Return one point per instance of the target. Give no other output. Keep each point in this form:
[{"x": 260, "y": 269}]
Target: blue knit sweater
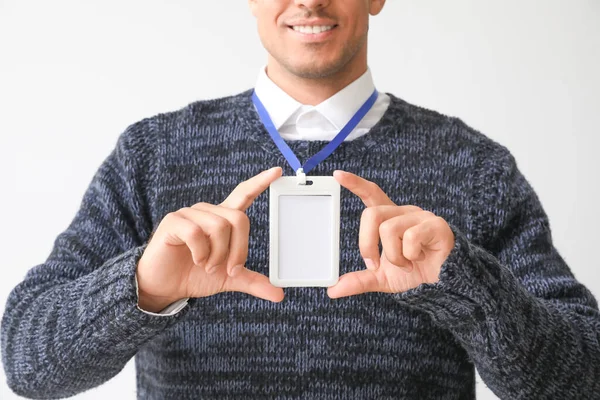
[{"x": 506, "y": 302}]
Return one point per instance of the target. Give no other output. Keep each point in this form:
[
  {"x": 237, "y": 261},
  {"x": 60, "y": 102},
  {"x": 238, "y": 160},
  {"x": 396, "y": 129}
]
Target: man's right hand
[{"x": 201, "y": 250}]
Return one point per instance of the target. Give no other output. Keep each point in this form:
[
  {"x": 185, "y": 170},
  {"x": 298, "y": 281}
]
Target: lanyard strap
[{"x": 325, "y": 151}]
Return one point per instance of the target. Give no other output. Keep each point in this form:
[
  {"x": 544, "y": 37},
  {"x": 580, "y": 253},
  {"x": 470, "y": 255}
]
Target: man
[{"x": 166, "y": 258}]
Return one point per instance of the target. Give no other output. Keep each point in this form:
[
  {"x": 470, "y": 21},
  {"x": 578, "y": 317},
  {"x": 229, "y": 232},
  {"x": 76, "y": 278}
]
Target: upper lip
[{"x": 314, "y": 22}]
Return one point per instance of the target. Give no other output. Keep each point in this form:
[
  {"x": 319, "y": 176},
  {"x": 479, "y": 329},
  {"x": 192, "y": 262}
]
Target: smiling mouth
[{"x": 312, "y": 29}]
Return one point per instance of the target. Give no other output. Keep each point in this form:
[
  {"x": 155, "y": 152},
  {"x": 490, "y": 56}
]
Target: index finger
[
  {"x": 246, "y": 192},
  {"x": 369, "y": 192}
]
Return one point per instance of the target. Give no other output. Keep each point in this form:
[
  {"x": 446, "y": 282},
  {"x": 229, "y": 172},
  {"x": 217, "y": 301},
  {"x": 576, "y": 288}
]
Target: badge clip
[{"x": 301, "y": 176}]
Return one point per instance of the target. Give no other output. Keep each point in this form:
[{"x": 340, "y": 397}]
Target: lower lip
[{"x": 314, "y": 37}]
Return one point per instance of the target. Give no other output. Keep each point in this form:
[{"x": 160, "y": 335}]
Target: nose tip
[{"x": 311, "y": 3}]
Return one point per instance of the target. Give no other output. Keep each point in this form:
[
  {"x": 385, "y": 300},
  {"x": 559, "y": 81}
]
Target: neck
[{"x": 314, "y": 91}]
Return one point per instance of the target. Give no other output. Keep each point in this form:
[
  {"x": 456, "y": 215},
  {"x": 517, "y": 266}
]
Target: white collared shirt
[{"x": 296, "y": 121}]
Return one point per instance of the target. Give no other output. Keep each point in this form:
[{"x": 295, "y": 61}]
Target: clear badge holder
[{"x": 304, "y": 219}]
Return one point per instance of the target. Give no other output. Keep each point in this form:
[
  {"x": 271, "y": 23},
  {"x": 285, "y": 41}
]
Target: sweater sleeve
[
  {"x": 73, "y": 322},
  {"x": 531, "y": 329}
]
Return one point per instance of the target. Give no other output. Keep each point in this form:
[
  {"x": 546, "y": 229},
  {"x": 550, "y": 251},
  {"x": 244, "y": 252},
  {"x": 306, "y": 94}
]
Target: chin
[{"x": 313, "y": 70}]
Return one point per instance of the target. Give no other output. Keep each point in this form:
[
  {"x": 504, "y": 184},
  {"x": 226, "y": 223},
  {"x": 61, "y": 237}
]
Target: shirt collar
[{"x": 338, "y": 109}]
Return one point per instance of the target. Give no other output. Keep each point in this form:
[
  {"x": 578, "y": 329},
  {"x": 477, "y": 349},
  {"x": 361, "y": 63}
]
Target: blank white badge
[{"x": 304, "y": 231}]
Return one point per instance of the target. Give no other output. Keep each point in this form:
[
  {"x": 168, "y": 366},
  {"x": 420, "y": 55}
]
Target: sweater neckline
[{"x": 360, "y": 147}]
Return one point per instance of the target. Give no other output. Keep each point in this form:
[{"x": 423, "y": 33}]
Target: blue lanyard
[{"x": 325, "y": 151}]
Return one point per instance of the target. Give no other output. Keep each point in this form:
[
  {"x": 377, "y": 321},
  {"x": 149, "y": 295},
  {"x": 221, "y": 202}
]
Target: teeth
[{"x": 312, "y": 29}]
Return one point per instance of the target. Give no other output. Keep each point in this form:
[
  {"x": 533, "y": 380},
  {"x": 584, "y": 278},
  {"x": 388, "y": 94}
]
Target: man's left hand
[{"x": 415, "y": 243}]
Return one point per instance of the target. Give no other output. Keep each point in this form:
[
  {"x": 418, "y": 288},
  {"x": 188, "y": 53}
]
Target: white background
[{"x": 74, "y": 74}]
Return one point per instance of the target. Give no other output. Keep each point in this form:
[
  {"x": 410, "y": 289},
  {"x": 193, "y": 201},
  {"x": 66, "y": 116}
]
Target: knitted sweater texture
[{"x": 506, "y": 301}]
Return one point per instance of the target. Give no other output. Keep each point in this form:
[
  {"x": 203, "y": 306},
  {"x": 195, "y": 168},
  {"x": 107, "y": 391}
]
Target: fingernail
[
  {"x": 236, "y": 270},
  {"x": 213, "y": 269},
  {"x": 370, "y": 264}
]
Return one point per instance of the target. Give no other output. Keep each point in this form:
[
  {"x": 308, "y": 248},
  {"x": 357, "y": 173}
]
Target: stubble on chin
[
  {"x": 313, "y": 70},
  {"x": 317, "y": 68}
]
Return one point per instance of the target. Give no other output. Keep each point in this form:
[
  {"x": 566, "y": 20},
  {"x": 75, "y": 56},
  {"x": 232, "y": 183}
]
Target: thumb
[{"x": 253, "y": 283}]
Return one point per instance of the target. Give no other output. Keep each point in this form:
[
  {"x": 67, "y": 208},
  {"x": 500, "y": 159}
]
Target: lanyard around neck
[{"x": 325, "y": 151}]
